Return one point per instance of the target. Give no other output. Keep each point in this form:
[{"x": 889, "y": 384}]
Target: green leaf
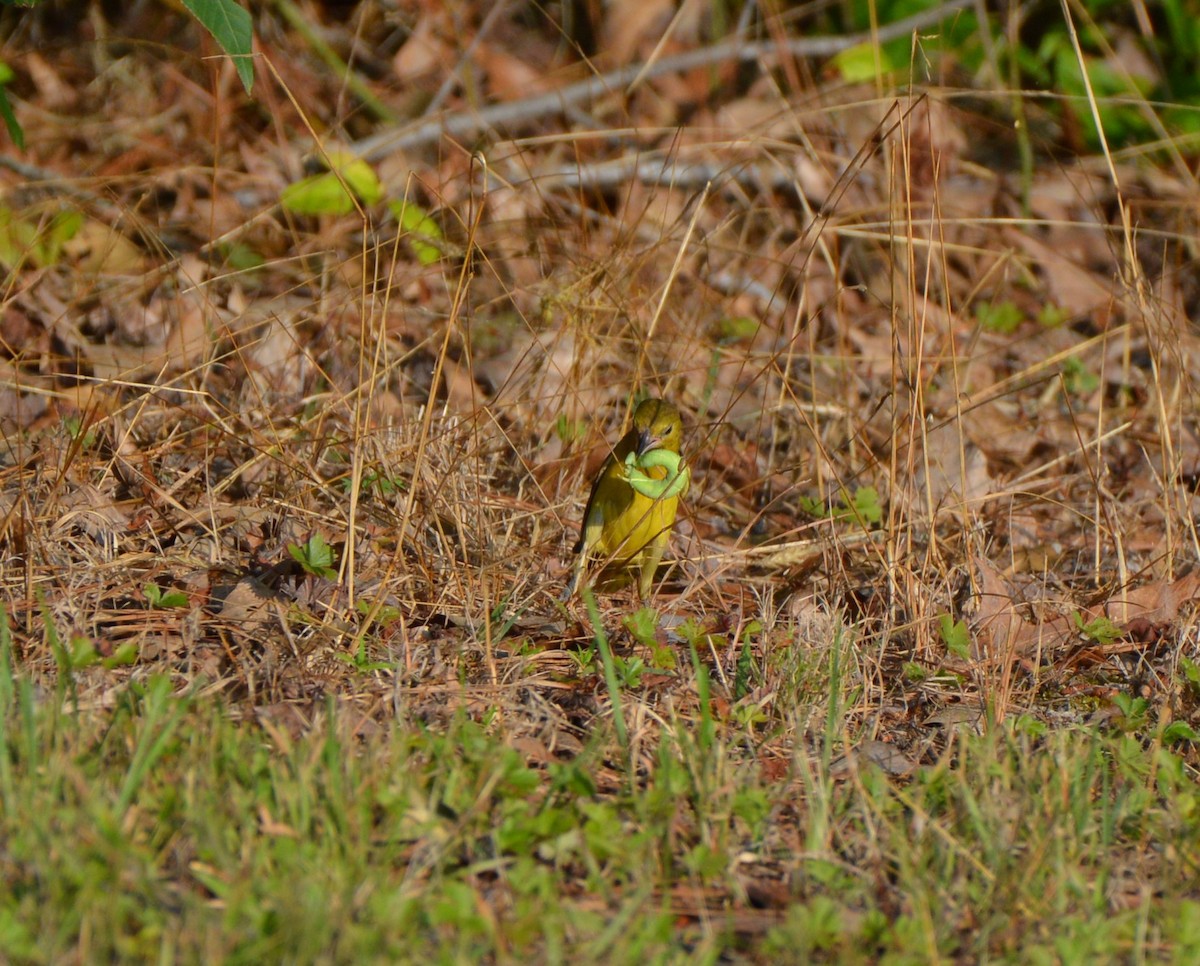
[
  {"x": 157, "y": 598},
  {"x": 83, "y": 653},
  {"x": 319, "y": 194},
  {"x": 567, "y": 429},
  {"x": 955, "y": 636},
  {"x": 384, "y": 616},
  {"x": 1101, "y": 630},
  {"x": 333, "y": 192},
  {"x": 1191, "y": 671},
  {"x": 1179, "y": 731},
  {"x": 358, "y": 175},
  {"x": 10, "y": 120},
  {"x": 63, "y": 227},
  {"x": 241, "y": 257},
  {"x": 691, "y": 630},
  {"x": 230, "y": 27},
  {"x": 859, "y": 63},
  {"x": 124, "y": 655},
  {"x": 316, "y": 557},
  {"x": 1003, "y": 317},
  {"x": 425, "y": 235},
  {"x": 864, "y": 507},
  {"x": 42, "y": 244},
  {"x": 814, "y": 508},
  {"x": 1051, "y": 316},
  {"x": 737, "y": 328},
  {"x": 643, "y": 625},
  {"x": 866, "y": 504},
  {"x": 1077, "y": 378},
  {"x": 743, "y": 672}
]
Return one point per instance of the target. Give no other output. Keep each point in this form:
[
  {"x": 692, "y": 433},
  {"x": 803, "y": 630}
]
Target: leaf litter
[{"x": 199, "y": 379}]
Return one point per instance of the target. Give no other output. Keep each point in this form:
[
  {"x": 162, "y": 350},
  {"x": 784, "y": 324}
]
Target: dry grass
[{"x": 915, "y": 394}]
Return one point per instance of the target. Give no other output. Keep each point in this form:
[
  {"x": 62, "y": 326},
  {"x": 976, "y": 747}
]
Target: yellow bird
[{"x": 634, "y": 500}]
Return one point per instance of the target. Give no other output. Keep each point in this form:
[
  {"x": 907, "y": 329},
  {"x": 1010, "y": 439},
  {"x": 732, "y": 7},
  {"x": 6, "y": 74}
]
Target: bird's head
[{"x": 658, "y": 426}]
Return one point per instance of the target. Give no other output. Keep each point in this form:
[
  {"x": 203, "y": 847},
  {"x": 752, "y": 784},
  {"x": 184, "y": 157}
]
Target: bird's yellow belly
[
  {"x": 630, "y": 520},
  {"x": 629, "y": 528}
]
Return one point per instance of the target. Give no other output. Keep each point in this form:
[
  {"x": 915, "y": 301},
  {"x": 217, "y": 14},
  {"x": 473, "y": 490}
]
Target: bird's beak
[{"x": 647, "y": 441}]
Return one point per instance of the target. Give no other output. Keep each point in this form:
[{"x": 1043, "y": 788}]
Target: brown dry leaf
[
  {"x": 1158, "y": 601},
  {"x": 53, "y": 91},
  {"x": 1076, "y": 290},
  {"x": 631, "y": 26},
  {"x": 935, "y": 141},
  {"x": 1001, "y": 434},
  {"x": 20, "y": 410},
  {"x": 249, "y": 604},
  {"x": 425, "y": 50},
  {"x": 171, "y": 334},
  {"x": 93, "y": 512},
  {"x": 998, "y": 625},
  {"x": 24, "y": 397},
  {"x": 97, "y": 249},
  {"x": 883, "y": 754},
  {"x": 953, "y": 476},
  {"x": 509, "y": 77},
  {"x": 279, "y": 357}
]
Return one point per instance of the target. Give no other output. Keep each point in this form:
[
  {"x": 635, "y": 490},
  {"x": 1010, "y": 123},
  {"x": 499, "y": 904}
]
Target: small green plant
[
  {"x": 74, "y": 426},
  {"x": 864, "y": 507},
  {"x": 502, "y": 624},
  {"x": 611, "y": 680},
  {"x": 1078, "y": 379},
  {"x": 359, "y": 658},
  {"x": 626, "y": 672},
  {"x": 748, "y": 715},
  {"x": 1191, "y": 673},
  {"x": 1178, "y": 731},
  {"x": 629, "y": 671},
  {"x": 1001, "y": 317},
  {"x": 569, "y": 430},
  {"x": 41, "y": 242},
  {"x": 737, "y": 328},
  {"x": 1029, "y": 726},
  {"x": 1051, "y": 316},
  {"x": 699, "y": 636},
  {"x": 81, "y": 653},
  {"x": 159, "y": 598},
  {"x": 1133, "y": 712},
  {"x": 385, "y": 616},
  {"x": 316, "y": 557},
  {"x": 423, "y": 234},
  {"x": 955, "y": 636},
  {"x": 6, "y": 112},
  {"x": 643, "y": 625},
  {"x": 242, "y": 258},
  {"x": 383, "y": 484},
  {"x": 335, "y": 191},
  {"x": 1101, "y": 629},
  {"x": 745, "y": 671}
]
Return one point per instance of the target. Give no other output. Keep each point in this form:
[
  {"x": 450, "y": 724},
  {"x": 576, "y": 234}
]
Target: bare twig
[{"x": 467, "y": 124}]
